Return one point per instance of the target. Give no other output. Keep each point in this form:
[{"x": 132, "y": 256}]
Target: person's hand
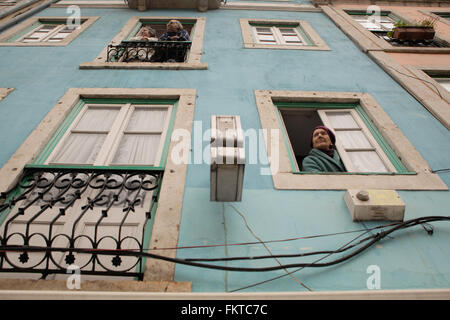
[{"x": 174, "y": 38}]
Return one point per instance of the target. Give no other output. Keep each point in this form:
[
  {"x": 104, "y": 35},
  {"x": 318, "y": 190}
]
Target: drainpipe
[{"x": 26, "y": 15}]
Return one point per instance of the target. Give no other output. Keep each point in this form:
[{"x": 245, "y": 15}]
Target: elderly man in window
[{"x": 322, "y": 157}]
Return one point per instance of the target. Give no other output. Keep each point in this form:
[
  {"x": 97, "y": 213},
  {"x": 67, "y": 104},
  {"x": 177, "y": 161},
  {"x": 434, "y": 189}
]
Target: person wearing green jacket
[{"x": 322, "y": 157}]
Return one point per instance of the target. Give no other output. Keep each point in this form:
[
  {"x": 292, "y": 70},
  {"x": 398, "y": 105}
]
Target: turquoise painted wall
[{"x": 411, "y": 259}]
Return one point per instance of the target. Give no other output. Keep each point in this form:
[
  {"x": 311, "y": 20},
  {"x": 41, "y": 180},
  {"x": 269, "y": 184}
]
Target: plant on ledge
[{"x": 416, "y": 31}]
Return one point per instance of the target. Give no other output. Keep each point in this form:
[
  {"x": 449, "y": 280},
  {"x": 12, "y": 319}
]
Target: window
[
  {"x": 114, "y": 134},
  {"x": 444, "y": 15},
  {"x": 384, "y": 23},
  {"x": 125, "y": 53},
  {"x": 356, "y": 144},
  {"x": 381, "y": 25},
  {"x": 280, "y": 34},
  {"x": 377, "y": 154},
  {"x": 89, "y": 176},
  {"x": 444, "y": 82},
  {"x": 47, "y": 33},
  {"x": 44, "y": 31}
]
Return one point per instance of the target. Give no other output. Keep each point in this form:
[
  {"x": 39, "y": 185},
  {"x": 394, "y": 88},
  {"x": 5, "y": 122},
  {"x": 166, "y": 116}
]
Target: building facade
[{"x": 106, "y": 148}]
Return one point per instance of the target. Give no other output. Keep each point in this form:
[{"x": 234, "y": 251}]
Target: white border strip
[{"x": 419, "y": 294}]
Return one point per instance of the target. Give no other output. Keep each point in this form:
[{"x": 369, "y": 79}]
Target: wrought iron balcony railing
[
  {"x": 55, "y": 218},
  {"x": 148, "y": 51}
]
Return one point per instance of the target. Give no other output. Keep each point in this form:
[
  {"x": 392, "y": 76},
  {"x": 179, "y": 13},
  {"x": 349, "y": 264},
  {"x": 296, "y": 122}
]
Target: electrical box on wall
[
  {"x": 366, "y": 205},
  {"x": 227, "y": 158}
]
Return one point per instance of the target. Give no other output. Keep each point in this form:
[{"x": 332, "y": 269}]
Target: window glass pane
[
  {"x": 35, "y": 36},
  {"x": 445, "y": 84},
  {"x": 266, "y": 38},
  {"x": 147, "y": 119},
  {"x": 292, "y": 39},
  {"x": 287, "y": 31},
  {"x": 59, "y": 36},
  {"x": 367, "y": 161},
  {"x": 97, "y": 119},
  {"x": 137, "y": 149},
  {"x": 80, "y": 148},
  {"x": 47, "y": 27},
  {"x": 353, "y": 139},
  {"x": 342, "y": 120},
  {"x": 263, "y": 30},
  {"x": 387, "y": 25}
]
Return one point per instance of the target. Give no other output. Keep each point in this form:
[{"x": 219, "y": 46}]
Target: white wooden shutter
[
  {"x": 47, "y": 33},
  {"x": 264, "y": 35},
  {"x": 359, "y": 150},
  {"x": 289, "y": 36},
  {"x": 384, "y": 23},
  {"x": 278, "y": 35},
  {"x": 142, "y": 136},
  {"x": 86, "y": 137}
]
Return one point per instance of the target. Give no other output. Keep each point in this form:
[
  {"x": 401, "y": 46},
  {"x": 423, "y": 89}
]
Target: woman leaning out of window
[{"x": 323, "y": 157}]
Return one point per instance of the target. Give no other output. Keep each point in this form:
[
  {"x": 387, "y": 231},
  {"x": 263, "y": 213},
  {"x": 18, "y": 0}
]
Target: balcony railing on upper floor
[
  {"x": 89, "y": 218},
  {"x": 148, "y": 51}
]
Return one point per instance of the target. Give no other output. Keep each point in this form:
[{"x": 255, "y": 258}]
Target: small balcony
[
  {"x": 98, "y": 220},
  {"x": 148, "y": 51},
  {"x": 201, "y": 5}
]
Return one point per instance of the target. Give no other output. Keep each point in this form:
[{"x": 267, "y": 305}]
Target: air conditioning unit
[{"x": 227, "y": 158}]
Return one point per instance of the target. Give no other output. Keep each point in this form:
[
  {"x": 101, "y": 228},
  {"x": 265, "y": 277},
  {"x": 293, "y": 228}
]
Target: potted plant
[{"x": 417, "y": 31}]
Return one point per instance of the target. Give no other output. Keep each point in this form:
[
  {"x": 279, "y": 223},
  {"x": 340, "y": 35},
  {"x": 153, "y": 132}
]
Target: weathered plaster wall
[{"x": 411, "y": 259}]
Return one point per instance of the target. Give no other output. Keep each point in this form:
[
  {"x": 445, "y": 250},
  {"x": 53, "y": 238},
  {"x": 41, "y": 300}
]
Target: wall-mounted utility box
[
  {"x": 227, "y": 158},
  {"x": 366, "y": 205}
]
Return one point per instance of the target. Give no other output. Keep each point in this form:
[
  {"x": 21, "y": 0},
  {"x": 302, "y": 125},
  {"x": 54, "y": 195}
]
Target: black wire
[
  {"x": 297, "y": 270},
  {"x": 439, "y": 170},
  {"x": 375, "y": 238},
  {"x": 295, "y": 255},
  {"x": 343, "y": 247}
]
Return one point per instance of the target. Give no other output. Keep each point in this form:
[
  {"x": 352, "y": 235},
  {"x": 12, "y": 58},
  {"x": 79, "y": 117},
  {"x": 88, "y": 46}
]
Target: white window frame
[
  {"x": 170, "y": 203},
  {"x": 343, "y": 152},
  {"x": 443, "y": 82},
  {"x": 50, "y": 35},
  {"x": 114, "y": 135},
  {"x": 193, "y": 60},
  {"x": 278, "y": 36},
  {"x": 420, "y": 176},
  {"x": 364, "y": 20},
  {"x": 39, "y": 22},
  {"x": 251, "y": 42}
]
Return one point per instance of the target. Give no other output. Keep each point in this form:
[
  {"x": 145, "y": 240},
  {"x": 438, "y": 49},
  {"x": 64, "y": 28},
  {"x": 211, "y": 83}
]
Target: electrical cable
[
  {"x": 267, "y": 248},
  {"x": 440, "y": 170},
  {"x": 297, "y": 270},
  {"x": 377, "y": 237},
  {"x": 272, "y": 241},
  {"x": 417, "y": 78},
  {"x": 341, "y": 248}
]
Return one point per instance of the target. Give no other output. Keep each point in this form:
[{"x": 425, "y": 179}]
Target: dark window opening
[{"x": 299, "y": 125}]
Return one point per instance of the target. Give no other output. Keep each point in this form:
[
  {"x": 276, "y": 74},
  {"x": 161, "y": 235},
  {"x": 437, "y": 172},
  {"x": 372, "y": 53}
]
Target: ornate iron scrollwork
[
  {"x": 148, "y": 51},
  {"x": 71, "y": 216}
]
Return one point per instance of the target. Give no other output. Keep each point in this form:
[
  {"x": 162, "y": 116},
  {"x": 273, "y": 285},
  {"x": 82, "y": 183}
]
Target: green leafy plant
[{"x": 428, "y": 23}]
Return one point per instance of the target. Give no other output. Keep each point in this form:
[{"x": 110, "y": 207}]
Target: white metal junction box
[
  {"x": 227, "y": 158},
  {"x": 366, "y": 205}
]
